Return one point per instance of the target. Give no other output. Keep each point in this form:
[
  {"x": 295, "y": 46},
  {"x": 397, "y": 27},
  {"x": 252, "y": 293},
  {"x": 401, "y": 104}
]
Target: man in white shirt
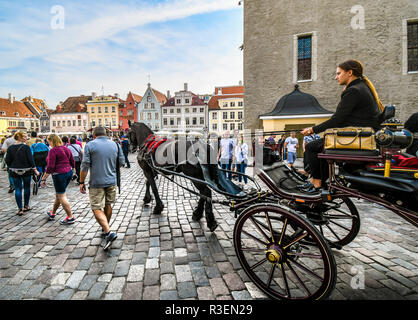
[
  {"x": 225, "y": 154},
  {"x": 7, "y": 143},
  {"x": 291, "y": 144}
]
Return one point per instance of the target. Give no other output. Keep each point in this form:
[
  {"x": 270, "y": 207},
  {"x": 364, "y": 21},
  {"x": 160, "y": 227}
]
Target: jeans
[
  {"x": 226, "y": 166},
  {"x": 241, "y": 169},
  {"x": 126, "y": 158},
  {"x": 11, "y": 186},
  {"x": 61, "y": 181},
  {"x": 17, "y": 183}
]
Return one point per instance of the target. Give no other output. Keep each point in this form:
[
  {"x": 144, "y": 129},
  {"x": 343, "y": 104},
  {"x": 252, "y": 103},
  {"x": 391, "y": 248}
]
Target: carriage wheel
[
  {"x": 339, "y": 221},
  {"x": 269, "y": 243}
]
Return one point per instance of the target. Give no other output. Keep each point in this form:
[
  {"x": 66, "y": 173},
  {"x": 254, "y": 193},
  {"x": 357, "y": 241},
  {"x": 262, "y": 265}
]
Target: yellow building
[
  {"x": 295, "y": 111},
  {"x": 104, "y": 111},
  {"x": 16, "y": 116},
  {"x": 226, "y": 109}
]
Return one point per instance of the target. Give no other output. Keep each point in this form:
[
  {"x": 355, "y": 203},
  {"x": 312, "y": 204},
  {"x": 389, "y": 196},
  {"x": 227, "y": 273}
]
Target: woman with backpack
[
  {"x": 21, "y": 165},
  {"x": 40, "y": 153}
]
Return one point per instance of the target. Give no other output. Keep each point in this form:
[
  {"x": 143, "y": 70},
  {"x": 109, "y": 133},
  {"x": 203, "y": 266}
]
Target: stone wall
[{"x": 269, "y": 30}]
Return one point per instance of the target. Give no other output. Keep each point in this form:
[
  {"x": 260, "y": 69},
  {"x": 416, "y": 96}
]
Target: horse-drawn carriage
[{"x": 282, "y": 236}]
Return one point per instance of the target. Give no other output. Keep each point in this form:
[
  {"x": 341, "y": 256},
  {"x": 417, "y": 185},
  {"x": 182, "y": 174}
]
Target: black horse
[{"x": 138, "y": 135}]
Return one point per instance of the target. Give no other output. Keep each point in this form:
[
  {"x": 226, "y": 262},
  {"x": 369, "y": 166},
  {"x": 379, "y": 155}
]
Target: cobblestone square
[{"x": 170, "y": 256}]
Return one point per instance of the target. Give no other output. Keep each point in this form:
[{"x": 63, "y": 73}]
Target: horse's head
[{"x": 139, "y": 133}]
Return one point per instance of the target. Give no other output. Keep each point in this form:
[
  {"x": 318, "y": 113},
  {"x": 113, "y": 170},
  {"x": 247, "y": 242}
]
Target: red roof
[
  {"x": 214, "y": 101},
  {"x": 230, "y": 90},
  {"x": 17, "y": 109}
]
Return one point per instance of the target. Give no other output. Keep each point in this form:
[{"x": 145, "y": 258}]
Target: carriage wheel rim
[{"x": 282, "y": 259}]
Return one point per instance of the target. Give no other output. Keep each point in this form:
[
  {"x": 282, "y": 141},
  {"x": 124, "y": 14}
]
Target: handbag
[{"x": 357, "y": 138}]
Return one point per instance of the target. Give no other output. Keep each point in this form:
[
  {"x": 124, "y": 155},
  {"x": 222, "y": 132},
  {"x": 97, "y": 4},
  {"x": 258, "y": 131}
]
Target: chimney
[
  {"x": 93, "y": 95},
  {"x": 168, "y": 94},
  {"x": 30, "y": 99},
  {"x": 11, "y": 98},
  {"x": 117, "y": 95},
  {"x": 185, "y": 87}
]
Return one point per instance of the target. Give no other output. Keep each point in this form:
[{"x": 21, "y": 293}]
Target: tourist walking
[
  {"x": 7, "y": 143},
  {"x": 101, "y": 157},
  {"x": 21, "y": 165},
  {"x": 77, "y": 152},
  {"x": 291, "y": 144},
  {"x": 60, "y": 164},
  {"x": 125, "y": 149},
  {"x": 241, "y": 159},
  {"x": 40, "y": 153},
  {"x": 225, "y": 154}
]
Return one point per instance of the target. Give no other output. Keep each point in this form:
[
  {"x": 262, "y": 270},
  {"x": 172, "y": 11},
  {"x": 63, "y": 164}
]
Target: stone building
[{"x": 302, "y": 42}]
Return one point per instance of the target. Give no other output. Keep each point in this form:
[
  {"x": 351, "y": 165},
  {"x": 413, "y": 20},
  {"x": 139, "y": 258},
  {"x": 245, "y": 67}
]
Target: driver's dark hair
[{"x": 357, "y": 68}]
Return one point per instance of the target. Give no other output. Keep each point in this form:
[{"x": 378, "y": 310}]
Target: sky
[{"x": 56, "y": 49}]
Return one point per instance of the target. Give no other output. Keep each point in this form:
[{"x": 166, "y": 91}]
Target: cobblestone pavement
[{"x": 170, "y": 256}]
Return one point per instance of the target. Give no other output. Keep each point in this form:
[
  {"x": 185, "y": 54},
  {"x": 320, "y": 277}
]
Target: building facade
[
  {"x": 128, "y": 111},
  {"x": 68, "y": 121},
  {"x": 16, "y": 116},
  {"x": 305, "y": 49},
  {"x": 104, "y": 111},
  {"x": 185, "y": 112},
  {"x": 226, "y": 109},
  {"x": 149, "y": 108}
]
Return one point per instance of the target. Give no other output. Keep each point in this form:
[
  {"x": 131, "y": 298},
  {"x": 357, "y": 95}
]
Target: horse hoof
[
  {"x": 212, "y": 227},
  {"x": 197, "y": 216},
  {"x": 158, "y": 210}
]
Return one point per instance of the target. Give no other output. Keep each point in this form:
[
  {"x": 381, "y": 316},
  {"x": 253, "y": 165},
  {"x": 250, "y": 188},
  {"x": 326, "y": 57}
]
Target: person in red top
[{"x": 60, "y": 164}]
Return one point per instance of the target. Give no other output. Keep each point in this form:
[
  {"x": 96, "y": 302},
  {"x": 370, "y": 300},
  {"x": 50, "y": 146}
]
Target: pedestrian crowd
[{"x": 66, "y": 159}]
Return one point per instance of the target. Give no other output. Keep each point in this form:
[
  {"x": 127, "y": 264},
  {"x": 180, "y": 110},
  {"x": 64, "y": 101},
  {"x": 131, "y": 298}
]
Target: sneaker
[
  {"x": 11, "y": 190},
  {"x": 109, "y": 239},
  {"x": 50, "y": 215},
  {"x": 67, "y": 221}
]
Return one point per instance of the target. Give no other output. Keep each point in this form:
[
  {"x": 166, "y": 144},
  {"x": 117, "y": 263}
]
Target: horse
[{"x": 138, "y": 134}]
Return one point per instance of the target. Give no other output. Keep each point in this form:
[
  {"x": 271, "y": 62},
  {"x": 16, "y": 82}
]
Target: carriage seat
[{"x": 351, "y": 155}]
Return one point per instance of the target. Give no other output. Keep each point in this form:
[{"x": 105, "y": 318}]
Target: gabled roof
[
  {"x": 196, "y": 101},
  {"x": 17, "y": 109},
  {"x": 136, "y": 97},
  {"x": 74, "y": 104},
  {"x": 160, "y": 97},
  {"x": 297, "y": 103},
  {"x": 38, "y": 104}
]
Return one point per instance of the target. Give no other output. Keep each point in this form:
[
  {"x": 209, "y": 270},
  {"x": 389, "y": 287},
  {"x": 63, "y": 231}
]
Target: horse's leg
[
  {"x": 210, "y": 218},
  {"x": 159, "y": 204},
  {"x": 147, "y": 198},
  {"x": 198, "y": 211}
]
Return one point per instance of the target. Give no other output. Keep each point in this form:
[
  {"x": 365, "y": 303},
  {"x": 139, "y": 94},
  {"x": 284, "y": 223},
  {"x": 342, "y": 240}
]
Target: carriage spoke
[
  {"x": 269, "y": 224},
  {"x": 259, "y": 263},
  {"x": 259, "y": 229},
  {"x": 299, "y": 279},
  {"x": 299, "y": 265},
  {"x": 273, "y": 267},
  {"x": 296, "y": 240},
  {"x": 333, "y": 232},
  {"x": 252, "y": 249},
  {"x": 341, "y": 226},
  {"x": 255, "y": 238},
  {"x": 285, "y": 280},
  {"x": 338, "y": 216},
  {"x": 283, "y": 231},
  {"x": 304, "y": 255}
]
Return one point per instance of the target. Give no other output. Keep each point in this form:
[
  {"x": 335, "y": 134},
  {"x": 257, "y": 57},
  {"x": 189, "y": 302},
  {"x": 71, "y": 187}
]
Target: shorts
[
  {"x": 61, "y": 181},
  {"x": 100, "y": 197},
  {"x": 291, "y": 157}
]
